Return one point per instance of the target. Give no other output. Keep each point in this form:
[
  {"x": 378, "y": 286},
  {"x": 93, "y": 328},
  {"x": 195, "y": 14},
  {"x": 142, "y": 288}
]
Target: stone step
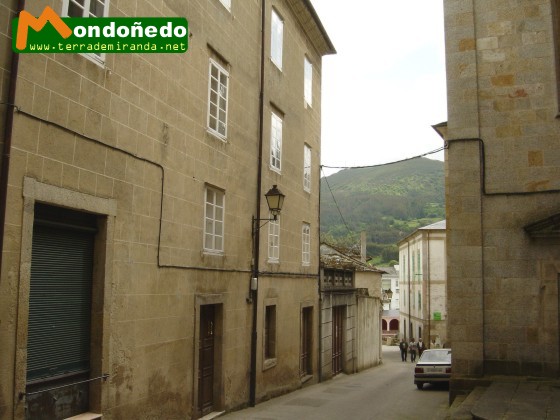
[{"x": 463, "y": 404}]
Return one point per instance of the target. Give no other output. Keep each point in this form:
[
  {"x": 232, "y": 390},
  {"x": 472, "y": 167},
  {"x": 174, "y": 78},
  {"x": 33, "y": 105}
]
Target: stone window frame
[
  {"x": 221, "y": 92},
  {"x": 35, "y": 191},
  {"x": 214, "y": 224},
  {"x": 86, "y": 12},
  {"x": 270, "y": 333},
  {"x": 276, "y": 38}
]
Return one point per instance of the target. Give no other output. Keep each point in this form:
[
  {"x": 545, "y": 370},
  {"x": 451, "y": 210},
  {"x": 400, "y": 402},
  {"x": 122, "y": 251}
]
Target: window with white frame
[
  {"x": 214, "y": 220},
  {"x": 307, "y": 168},
  {"x": 226, "y": 3},
  {"x": 276, "y": 143},
  {"x": 306, "y": 244},
  {"x": 276, "y": 39},
  {"x": 307, "y": 82},
  {"x": 87, "y": 8},
  {"x": 274, "y": 240},
  {"x": 218, "y": 81}
]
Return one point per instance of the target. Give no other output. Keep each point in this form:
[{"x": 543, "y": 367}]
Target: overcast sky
[{"x": 385, "y": 87}]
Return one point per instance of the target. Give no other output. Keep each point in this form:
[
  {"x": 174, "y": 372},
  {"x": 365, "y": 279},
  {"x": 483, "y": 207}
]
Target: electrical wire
[
  {"x": 439, "y": 149},
  {"x": 336, "y": 204}
]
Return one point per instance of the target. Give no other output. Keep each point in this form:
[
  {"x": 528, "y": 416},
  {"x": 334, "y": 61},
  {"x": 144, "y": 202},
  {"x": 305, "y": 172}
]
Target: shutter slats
[{"x": 60, "y": 302}]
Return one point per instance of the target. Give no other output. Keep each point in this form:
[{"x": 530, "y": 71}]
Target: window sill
[
  {"x": 85, "y": 416},
  {"x": 273, "y": 261},
  {"x": 216, "y": 135},
  {"x": 213, "y": 253},
  {"x": 269, "y": 363},
  {"x": 306, "y": 378},
  {"x": 274, "y": 169}
]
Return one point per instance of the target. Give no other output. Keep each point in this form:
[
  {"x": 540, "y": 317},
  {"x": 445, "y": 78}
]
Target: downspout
[
  {"x": 429, "y": 297},
  {"x": 409, "y": 286},
  {"x": 319, "y": 290},
  {"x": 255, "y": 225},
  {"x": 8, "y": 129}
]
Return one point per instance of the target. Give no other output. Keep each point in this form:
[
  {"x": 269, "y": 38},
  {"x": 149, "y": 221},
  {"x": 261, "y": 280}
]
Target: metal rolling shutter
[{"x": 60, "y": 295}]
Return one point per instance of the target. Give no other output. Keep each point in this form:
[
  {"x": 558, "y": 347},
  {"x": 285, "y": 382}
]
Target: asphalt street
[{"x": 383, "y": 392}]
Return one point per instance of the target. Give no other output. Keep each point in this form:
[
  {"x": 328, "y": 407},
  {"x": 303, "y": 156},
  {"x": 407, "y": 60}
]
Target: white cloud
[{"x": 385, "y": 87}]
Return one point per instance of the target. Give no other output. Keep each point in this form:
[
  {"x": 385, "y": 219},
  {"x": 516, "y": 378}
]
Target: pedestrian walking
[
  {"x": 421, "y": 347},
  {"x": 404, "y": 347},
  {"x": 412, "y": 347}
]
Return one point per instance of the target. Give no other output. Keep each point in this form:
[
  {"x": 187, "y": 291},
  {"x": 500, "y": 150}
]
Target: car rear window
[{"x": 436, "y": 356}]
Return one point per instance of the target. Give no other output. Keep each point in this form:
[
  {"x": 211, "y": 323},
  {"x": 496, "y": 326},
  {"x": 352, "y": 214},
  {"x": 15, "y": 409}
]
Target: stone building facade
[
  {"x": 129, "y": 186},
  {"x": 423, "y": 285},
  {"x": 350, "y": 318},
  {"x": 503, "y": 188}
]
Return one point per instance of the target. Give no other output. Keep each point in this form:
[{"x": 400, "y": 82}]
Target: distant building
[
  {"x": 390, "y": 317},
  {"x": 503, "y": 188},
  {"x": 350, "y": 313},
  {"x": 423, "y": 285},
  {"x": 390, "y": 281}
]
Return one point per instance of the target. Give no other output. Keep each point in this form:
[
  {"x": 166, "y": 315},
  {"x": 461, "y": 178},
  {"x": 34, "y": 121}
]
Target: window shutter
[{"x": 60, "y": 297}]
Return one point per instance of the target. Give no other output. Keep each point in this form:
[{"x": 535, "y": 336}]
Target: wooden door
[
  {"x": 206, "y": 359},
  {"x": 337, "y": 335}
]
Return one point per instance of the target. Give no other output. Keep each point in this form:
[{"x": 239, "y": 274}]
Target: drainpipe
[
  {"x": 255, "y": 225},
  {"x": 409, "y": 286},
  {"x": 8, "y": 129},
  {"x": 428, "y": 264}
]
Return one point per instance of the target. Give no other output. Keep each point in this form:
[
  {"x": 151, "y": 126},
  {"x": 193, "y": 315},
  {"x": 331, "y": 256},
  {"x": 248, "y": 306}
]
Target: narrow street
[{"x": 383, "y": 392}]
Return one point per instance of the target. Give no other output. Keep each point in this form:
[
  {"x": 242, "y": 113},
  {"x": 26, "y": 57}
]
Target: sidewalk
[{"x": 511, "y": 400}]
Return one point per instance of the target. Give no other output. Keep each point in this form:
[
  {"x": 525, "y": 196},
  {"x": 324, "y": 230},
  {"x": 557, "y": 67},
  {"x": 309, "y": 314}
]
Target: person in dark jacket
[
  {"x": 421, "y": 347},
  {"x": 404, "y": 348}
]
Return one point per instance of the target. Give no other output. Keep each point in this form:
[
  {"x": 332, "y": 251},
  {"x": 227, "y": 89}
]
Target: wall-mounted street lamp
[
  {"x": 275, "y": 201},
  {"x": 389, "y": 294}
]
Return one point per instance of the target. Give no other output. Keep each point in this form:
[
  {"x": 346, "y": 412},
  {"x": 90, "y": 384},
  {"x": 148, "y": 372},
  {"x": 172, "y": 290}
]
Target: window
[
  {"x": 306, "y": 244},
  {"x": 307, "y": 168},
  {"x": 276, "y": 39},
  {"x": 87, "y": 8},
  {"x": 306, "y": 349},
  {"x": 217, "y": 100},
  {"x": 274, "y": 240},
  {"x": 307, "y": 82},
  {"x": 226, "y": 3},
  {"x": 276, "y": 143},
  {"x": 270, "y": 332},
  {"x": 214, "y": 220},
  {"x": 419, "y": 301},
  {"x": 418, "y": 261}
]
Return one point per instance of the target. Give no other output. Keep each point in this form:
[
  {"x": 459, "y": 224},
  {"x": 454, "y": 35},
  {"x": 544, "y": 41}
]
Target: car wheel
[{"x": 419, "y": 385}]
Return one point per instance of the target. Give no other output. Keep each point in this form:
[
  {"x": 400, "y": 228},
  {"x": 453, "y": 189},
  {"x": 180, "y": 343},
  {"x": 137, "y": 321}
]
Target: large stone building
[
  {"x": 503, "y": 188},
  {"x": 423, "y": 285},
  {"x": 130, "y": 280}
]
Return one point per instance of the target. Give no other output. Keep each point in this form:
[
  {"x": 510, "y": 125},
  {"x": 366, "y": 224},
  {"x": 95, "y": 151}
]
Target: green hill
[{"x": 388, "y": 202}]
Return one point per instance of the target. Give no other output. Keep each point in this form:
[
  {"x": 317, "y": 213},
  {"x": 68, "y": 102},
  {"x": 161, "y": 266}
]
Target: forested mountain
[{"x": 388, "y": 202}]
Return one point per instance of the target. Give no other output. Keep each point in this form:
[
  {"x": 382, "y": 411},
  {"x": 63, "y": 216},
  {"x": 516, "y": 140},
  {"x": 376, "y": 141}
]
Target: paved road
[{"x": 383, "y": 392}]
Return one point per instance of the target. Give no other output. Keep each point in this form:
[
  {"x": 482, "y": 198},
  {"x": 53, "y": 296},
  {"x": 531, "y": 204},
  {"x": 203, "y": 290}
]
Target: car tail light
[
  {"x": 418, "y": 370},
  {"x": 448, "y": 370}
]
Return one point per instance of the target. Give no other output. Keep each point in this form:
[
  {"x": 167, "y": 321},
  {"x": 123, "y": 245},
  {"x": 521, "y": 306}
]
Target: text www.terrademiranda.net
[{"x": 108, "y": 47}]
